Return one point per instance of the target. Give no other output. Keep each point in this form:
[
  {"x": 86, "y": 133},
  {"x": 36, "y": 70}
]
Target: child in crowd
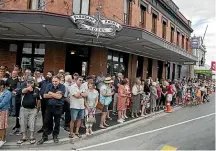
[{"x": 193, "y": 97}]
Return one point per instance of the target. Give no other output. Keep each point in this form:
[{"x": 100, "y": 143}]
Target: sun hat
[
  {"x": 108, "y": 80},
  {"x": 61, "y": 71}
]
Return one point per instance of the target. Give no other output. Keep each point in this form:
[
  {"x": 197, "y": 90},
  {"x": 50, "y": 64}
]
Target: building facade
[{"x": 40, "y": 35}]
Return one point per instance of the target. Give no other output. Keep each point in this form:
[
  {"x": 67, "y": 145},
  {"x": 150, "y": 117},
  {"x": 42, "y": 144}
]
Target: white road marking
[{"x": 159, "y": 129}]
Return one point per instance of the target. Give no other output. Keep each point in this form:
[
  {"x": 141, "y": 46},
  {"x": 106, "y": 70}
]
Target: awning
[{"x": 43, "y": 26}]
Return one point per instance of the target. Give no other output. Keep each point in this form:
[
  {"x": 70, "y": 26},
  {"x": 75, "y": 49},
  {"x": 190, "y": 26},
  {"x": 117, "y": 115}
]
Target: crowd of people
[{"x": 24, "y": 94}]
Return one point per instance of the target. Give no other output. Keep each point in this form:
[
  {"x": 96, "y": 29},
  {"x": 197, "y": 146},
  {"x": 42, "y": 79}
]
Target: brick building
[{"x": 39, "y": 34}]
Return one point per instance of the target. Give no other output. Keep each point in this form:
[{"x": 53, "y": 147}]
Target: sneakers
[
  {"x": 125, "y": 117},
  {"x": 2, "y": 143},
  {"x": 16, "y": 132},
  {"x": 120, "y": 121}
]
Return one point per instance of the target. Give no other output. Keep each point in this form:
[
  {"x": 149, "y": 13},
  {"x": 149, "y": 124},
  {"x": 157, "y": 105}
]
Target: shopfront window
[
  {"x": 81, "y": 7},
  {"x": 150, "y": 63},
  {"x": 33, "y": 56},
  {"x": 36, "y": 4},
  {"x": 117, "y": 62}
]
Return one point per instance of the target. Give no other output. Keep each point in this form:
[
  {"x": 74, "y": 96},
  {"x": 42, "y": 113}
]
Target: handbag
[
  {"x": 100, "y": 106},
  {"x": 90, "y": 118}
]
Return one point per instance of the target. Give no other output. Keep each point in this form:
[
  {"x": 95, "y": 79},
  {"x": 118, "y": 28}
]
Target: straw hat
[{"x": 108, "y": 80}]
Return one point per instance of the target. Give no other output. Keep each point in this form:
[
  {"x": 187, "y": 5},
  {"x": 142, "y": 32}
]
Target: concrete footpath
[{"x": 63, "y": 137}]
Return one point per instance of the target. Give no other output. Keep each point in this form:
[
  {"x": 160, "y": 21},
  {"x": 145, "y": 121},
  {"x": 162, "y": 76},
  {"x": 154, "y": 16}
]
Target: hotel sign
[
  {"x": 98, "y": 26},
  {"x": 189, "y": 63}
]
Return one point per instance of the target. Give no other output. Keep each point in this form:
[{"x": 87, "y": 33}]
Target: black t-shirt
[
  {"x": 12, "y": 83},
  {"x": 29, "y": 100}
]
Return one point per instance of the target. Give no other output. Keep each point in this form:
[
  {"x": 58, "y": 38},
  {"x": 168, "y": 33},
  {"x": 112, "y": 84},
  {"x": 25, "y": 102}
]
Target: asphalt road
[{"x": 190, "y": 128}]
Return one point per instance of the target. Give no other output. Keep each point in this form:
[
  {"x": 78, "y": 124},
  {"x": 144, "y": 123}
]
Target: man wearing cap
[
  {"x": 54, "y": 94},
  {"x": 75, "y": 76},
  {"x": 117, "y": 81},
  {"x": 29, "y": 110}
]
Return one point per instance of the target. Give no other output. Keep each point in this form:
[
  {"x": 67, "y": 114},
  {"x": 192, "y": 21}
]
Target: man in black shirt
[
  {"x": 12, "y": 85},
  {"x": 54, "y": 94},
  {"x": 42, "y": 85}
]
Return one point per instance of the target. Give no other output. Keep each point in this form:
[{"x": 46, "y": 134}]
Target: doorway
[
  {"x": 160, "y": 70},
  {"x": 140, "y": 60},
  {"x": 77, "y": 59}
]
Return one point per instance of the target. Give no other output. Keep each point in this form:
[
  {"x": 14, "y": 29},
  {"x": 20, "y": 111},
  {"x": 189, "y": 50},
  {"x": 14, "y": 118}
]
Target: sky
[{"x": 202, "y": 13}]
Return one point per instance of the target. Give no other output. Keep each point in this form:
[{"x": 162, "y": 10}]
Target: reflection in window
[
  {"x": 38, "y": 63},
  {"x": 84, "y": 68},
  {"x": 40, "y": 49},
  {"x": 27, "y": 48},
  {"x": 26, "y": 63},
  {"x": 116, "y": 62},
  {"x": 33, "y": 56}
]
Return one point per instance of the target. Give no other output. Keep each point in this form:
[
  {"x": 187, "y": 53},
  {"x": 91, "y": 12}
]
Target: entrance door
[
  {"x": 77, "y": 58},
  {"x": 160, "y": 70}
]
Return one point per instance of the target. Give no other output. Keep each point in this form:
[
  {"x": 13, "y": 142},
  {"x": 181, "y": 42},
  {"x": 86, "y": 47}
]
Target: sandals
[
  {"x": 22, "y": 140},
  {"x": 32, "y": 141},
  {"x": 78, "y": 135},
  {"x": 71, "y": 136}
]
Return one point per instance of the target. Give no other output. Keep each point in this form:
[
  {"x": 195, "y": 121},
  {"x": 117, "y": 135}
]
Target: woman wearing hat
[
  {"x": 5, "y": 97},
  {"x": 106, "y": 94}
]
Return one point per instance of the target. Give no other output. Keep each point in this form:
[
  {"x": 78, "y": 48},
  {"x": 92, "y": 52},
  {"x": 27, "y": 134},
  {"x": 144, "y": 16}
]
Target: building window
[
  {"x": 117, "y": 62},
  {"x": 149, "y": 69},
  {"x": 140, "y": 60},
  {"x": 127, "y": 11},
  {"x": 154, "y": 23},
  {"x": 33, "y": 56},
  {"x": 164, "y": 30},
  {"x": 187, "y": 43},
  {"x": 81, "y": 7},
  {"x": 36, "y": 4},
  {"x": 172, "y": 35},
  {"x": 178, "y": 35},
  {"x": 143, "y": 16},
  {"x": 183, "y": 40}
]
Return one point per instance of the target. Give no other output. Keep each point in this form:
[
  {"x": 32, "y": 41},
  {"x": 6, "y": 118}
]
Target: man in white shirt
[{"x": 76, "y": 106}]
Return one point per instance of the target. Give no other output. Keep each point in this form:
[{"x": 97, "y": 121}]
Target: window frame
[
  {"x": 187, "y": 43},
  {"x": 143, "y": 10},
  {"x": 80, "y": 7},
  {"x": 154, "y": 23},
  {"x": 164, "y": 29},
  {"x": 32, "y": 56},
  {"x": 178, "y": 38},
  {"x": 183, "y": 41}
]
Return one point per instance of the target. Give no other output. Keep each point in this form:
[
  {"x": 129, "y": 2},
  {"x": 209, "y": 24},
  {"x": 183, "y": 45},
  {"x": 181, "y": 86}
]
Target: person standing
[
  {"x": 42, "y": 85},
  {"x": 12, "y": 85},
  {"x": 117, "y": 82},
  {"x": 91, "y": 102},
  {"x": 153, "y": 96},
  {"x": 106, "y": 93},
  {"x": 29, "y": 110},
  {"x": 54, "y": 94},
  {"x": 76, "y": 106},
  {"x": 5, "y": 97},
  {"x": 136, "y": 98},
  {"x": 121, "y": 103},
  {"x": 66, "y": 107}
]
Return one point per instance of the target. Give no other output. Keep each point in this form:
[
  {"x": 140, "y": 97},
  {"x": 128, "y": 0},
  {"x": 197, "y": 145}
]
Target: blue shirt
[
  {"x": 60, "y": 88},
  {"x": 42, "y": 85},
  {"x": 5, "y": 99}
]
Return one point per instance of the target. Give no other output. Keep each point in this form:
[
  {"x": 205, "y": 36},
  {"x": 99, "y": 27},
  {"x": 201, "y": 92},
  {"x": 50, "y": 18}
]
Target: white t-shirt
[{"x": 76, "y": 103}]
